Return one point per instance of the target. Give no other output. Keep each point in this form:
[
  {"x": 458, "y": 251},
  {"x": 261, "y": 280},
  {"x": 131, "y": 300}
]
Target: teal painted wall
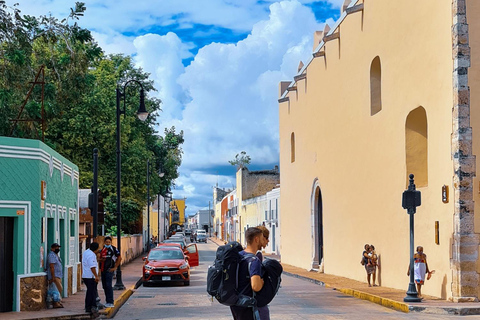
[{"x": 23, "y": 166}]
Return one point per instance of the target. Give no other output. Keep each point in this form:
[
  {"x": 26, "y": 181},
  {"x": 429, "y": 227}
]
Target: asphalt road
[{"x": 297, "y": 299}]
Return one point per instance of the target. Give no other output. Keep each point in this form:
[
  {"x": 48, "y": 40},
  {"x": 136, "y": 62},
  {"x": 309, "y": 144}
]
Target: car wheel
[{"x": 186, "y": 283}]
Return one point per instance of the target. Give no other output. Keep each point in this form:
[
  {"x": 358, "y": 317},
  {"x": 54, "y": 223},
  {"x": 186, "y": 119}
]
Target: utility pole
[{"x": 95, "y": 193}]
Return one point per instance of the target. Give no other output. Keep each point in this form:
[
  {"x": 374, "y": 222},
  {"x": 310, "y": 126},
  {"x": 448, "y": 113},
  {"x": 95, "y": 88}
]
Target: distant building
[{"x": 38, "y": 207}]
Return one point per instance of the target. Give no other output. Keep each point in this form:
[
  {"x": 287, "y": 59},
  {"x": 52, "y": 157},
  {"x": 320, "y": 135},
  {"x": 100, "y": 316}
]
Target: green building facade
[{"x": 38, "y": 206}]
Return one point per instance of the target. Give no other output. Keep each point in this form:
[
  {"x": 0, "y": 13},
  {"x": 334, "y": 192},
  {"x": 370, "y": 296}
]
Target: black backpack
[
  {"x": 222, "y": 276},
  {"x": 272, "y": 278}
]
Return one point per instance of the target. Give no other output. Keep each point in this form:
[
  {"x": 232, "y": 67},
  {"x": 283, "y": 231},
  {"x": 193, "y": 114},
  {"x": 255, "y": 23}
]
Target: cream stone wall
[{"x": 359, "y": 160}]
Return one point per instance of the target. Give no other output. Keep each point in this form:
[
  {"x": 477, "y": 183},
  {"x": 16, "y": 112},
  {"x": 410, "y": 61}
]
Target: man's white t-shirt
[{"x": 89, "y": 260}]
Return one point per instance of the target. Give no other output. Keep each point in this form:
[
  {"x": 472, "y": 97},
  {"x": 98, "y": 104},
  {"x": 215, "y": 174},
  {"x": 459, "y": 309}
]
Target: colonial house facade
[
  {"x": 38, "y": 207},
  {"x": 392, "y": 89}
]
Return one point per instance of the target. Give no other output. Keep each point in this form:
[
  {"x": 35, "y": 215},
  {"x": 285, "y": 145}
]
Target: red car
[
  {"x": 166, "y": 264},
  {"x": 191, "y": 251}
]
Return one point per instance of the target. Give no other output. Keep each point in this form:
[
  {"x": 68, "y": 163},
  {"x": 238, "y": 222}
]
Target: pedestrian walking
[
  {"x": 250, "y": 272},
  {"x": 55, "y": 271},
  {"x": 109, "y": 261},
  {"x": 90, "y": 278},
  {"x": 420, "y": 269}
]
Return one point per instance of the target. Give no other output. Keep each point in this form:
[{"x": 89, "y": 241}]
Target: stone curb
[
  {"x": 120, "y": 301},
  {"x": 389, "y": 303}
]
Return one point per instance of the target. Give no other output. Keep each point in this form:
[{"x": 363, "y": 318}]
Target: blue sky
[{"x": 216, "y": 65}]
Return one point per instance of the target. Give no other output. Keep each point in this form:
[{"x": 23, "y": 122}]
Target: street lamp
[
  {"x": 148, "y": 205},
  {"x": 142, "y": 114},
  {"x": 160, "y": 175}
]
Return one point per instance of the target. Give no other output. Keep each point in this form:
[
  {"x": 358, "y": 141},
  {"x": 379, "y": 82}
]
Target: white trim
[
  {"x": 36, "y": 154},
  {"x": 21, "y": 276},
  {"x": 27, "y": 223},
  {"x": 320, "y": 46}
]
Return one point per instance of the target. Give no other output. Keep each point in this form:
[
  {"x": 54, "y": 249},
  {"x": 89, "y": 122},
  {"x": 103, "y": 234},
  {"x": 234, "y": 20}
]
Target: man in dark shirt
[
  {"x": 109, "y": 261},
  {"x": 249, "y": 281}
]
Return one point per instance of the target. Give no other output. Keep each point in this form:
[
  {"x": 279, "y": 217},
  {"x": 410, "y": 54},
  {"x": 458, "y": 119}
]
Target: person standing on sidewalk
[
  {"x": 90, "y": 278},
  {"x": 55, "y": 270},
  {"x": 109, "y": 260}
]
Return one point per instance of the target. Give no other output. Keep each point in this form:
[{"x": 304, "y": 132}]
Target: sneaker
[{"x": 109, "y": 305}]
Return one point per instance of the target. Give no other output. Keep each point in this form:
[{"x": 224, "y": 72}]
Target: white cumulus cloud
[{"x": 227, "y": 96}]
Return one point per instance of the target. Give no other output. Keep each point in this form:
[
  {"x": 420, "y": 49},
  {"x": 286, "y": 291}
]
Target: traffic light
[{"x": 101, "y": 208}]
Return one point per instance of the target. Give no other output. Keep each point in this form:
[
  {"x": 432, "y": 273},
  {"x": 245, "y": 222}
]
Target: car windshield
[{"x": 165, "y": 255}]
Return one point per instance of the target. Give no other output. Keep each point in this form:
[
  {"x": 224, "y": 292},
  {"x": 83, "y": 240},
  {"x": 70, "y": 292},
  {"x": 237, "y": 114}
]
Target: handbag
[{"x": 52, "y": 293}]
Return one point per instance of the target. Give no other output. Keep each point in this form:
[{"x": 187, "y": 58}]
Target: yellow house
[
  {"x": 177, "y": 206},
  {"x": 392, "y": 88}
]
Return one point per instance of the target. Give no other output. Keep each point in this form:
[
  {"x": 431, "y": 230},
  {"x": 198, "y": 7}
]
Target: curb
[
  {"x": 389, "y": 303},
  {"x": 120, "y": 301},
  {"x": 392, "y": 304}
]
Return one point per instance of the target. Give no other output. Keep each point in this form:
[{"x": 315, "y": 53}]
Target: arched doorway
[{"x": 317, "y": 227}]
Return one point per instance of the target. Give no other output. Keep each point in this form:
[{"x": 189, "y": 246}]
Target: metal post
[
  {"x": 411, "y": 200},
  {"x": 148, "y": 205},
  {"x": 95, "y": 193},
  {"x": 119, "y": 284},
  {"x": 158, "y": 217}
]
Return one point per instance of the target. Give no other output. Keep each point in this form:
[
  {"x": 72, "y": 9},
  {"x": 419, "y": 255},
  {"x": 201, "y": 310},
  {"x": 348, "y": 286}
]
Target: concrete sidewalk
[
  {"x": 74, "y": 305},
  {"x": 388, "y": 297}
]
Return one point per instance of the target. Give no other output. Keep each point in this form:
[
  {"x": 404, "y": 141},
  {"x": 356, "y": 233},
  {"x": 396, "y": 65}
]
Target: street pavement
[{"x": 297, "y": 299}]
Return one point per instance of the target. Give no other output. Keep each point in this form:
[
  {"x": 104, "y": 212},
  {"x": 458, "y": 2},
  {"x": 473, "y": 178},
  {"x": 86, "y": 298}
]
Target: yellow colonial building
[{"x": 392, "y": 88}]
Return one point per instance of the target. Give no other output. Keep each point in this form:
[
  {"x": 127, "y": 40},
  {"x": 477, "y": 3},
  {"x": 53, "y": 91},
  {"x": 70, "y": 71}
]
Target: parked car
[
  {"x": 191, "y": 251},
  {"x": 166, "y": 264},
  {"x": 201, "y": 236},
  {"x": 188, "y": 232},
  {"x": 177, "y": 240}
]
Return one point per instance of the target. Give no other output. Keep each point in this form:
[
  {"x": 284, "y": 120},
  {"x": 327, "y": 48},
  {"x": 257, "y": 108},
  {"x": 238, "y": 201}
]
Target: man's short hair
[
  {"x": 108, "y": 238},
  {"x": 251, "y": 233},
  {"x": 265, "y": 231},
  {"x": 94, "y": 246}
]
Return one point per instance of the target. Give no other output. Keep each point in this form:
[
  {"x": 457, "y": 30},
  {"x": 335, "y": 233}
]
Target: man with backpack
[
  {"x": 110, "y": 260},
  {"x": 250, "y": 272}
]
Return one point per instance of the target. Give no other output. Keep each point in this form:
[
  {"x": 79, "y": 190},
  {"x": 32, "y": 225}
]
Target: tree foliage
[
  {"x": 242, "y": 160},
  {"x": 80, "y": 106}
]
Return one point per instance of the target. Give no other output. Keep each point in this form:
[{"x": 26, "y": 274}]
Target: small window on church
[
  {"x": 292, "y": 147},
  {"x": 375, "y": 86},
  {"x": 416, "y": 146}
]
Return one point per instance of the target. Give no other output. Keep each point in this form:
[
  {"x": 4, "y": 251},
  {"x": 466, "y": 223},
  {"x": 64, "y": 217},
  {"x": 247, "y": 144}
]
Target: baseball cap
[{"x": 54, "y": 245}]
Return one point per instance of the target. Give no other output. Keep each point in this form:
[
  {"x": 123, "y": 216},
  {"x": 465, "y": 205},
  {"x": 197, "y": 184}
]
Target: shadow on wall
[
  {"x": 379, "y": 270},
  {"x": 444, "y": 287}
]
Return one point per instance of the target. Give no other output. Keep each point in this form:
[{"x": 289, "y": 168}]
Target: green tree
[
  {"x": 80, "y": 106},
  {"x": 242, "y": 160}
]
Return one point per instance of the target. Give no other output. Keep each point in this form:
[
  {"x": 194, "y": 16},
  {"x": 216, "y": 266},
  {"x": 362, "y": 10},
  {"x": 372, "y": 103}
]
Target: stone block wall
[
  {"x": 79, "y": 277},
  {"x": 465, "y": 242},
  {"x": 33, "y": 293},
  {"x": 257, "y": 183},
  {"x": 70, "y": 281}
]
